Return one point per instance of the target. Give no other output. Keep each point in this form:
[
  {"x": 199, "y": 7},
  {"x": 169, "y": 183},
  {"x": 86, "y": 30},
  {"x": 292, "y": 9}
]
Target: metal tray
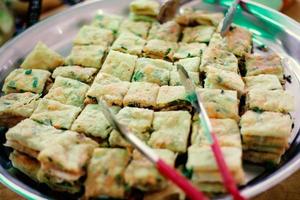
[{"x": 280, "y": 33}]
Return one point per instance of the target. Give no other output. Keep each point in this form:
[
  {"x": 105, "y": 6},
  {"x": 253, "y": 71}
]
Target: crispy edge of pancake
[
  {"x": 25, "y": 164},
  {"x": 261, "y": 157},
  {"x": 274, "y": 141},
  {"x": 21, "y": 148}
]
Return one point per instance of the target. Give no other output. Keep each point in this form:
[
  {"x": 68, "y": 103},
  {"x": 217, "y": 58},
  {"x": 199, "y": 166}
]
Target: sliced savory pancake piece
[
  {"x": 265, "y": 135},
  {"x": 105, "y": 175},
  {"x": 168, "y": 31},
  {"x": 26, "y": 80},
  {"x": 189, "y": 64},
  {"x": 270, "y": 100},
  {"x": 266, "y": 124},
  {"x": 129, "y": 43},
  {"x": 205, "y": 169},
  {"x": 113, "y": 93},
  {"x": 92, "y": 122},
  {"x": 160, "y": 49},
  {"x": 262, "y": 81},
  {"x": 201, "y": 33},
  {"x": 238, "y": 41},
  {"x": 30, "y": 137},
  {"x": 171, "y": 130},
  {"x": 15, "y": 107},
  {"x": 144, "y": 7},
  {"x": 120, "y": 65},
  {"x": 142, "y": 174},
  {"x": 83, "y": 74},
  {"x": 42, "y": 57},
  {"x": 226, "y": 80},
  {"x": 190, "y": 17},
  {"x": 226, "y": 130},
  {"x": 152, "y": 70},
  {"x": 172, "y": 97},
  {"x": 68, "y": 91},
  {"x": 54, "y": 113},
  {"x": 141, "y": 94},
  {"x": 264, "y": 64},
  {"x": 66, "y": 157},
  {"x": 91, "y": 35},
  {"x": 138, "y": 120},
  {"x": 107, "y": 21},
  {"x": 189, "y": 50},
  {"x": 220, "y": 104},
  {"x": 218, "y": 58},
  {"x": 31, "y": 167},
  {"x": 139, "y": 28},
  {"x": 87, "y": 56},
  {"x": 175, "y": 79}
]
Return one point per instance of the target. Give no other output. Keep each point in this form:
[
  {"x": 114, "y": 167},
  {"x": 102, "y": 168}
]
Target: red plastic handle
[
  {"x": 228, "y": 180},
  {"x": 170, "y": 173}
]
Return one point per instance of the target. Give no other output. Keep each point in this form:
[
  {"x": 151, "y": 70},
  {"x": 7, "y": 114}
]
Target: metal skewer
[
  {"x": 169, "y": 8},
  {"x": 229, "y": 18}
]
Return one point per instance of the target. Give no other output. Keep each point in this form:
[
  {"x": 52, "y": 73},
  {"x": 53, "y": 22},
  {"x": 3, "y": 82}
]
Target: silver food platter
[{"x": 271, "y": 28}]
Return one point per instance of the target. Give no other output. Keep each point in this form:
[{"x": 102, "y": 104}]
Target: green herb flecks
[
  {"x": 47, "y": 122},
  {"x": 189, "y": 55},
  {"x": 219, "y": 79},
  {"x": 119, "y": 179},
  {"x": 127, "y": 187},
  {"x": 257, "y": 110},
  {"x": 115, "y": 32},
  {"x": 188, "y": 173},
  {"x": 138, "y": 76},
  {"x": 28, "y": 71},
  {"x": 12, "y": 84},
  {"x": 124, "y": 48},
  {"x": 167, "y": 52},
  {"x": 140, "y": 35},
  {"x": 100, "y": 52},
  {"x": 35, "y": 82}
]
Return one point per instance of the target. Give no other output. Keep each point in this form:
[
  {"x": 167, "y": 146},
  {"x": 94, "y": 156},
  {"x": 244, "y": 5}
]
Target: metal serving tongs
[
  {"x": 166, "y": 170},
  {"x": 195, "y": 100},
  {"x": 168, "y": 9},
  {"x": 229, "y": 18}
]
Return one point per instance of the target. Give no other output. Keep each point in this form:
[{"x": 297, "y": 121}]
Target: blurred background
[{"x": 17, "y": 15}]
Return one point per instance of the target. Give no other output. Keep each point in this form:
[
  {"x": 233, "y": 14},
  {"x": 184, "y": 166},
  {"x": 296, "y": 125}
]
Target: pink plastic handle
[
  {"x": 170, "y": 173},
  {"x": 228, "y": 180}
]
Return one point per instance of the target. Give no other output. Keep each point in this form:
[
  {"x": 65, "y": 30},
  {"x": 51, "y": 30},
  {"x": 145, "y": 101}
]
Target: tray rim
[{"x": 270, "y": 181}]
